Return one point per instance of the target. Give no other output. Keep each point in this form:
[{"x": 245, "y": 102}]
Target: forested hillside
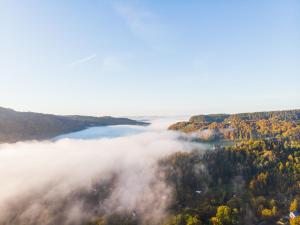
[
  {"x": 283, "y": 125},
  {"x": 254, "y": 181},
  {"x": 19, "y": 126}
]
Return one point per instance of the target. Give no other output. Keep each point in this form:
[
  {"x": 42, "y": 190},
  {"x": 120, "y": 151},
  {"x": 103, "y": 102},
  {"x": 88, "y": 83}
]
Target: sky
[{"x": 133, "y": 58}]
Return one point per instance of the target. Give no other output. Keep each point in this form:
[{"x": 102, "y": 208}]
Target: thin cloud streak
[{"x": 83, "y": 60}]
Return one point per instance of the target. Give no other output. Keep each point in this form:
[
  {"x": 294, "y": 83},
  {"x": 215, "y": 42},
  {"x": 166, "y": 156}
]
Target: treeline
[
  {"x": 283, "y": 115},
  {"x": 280, "y": 125}
]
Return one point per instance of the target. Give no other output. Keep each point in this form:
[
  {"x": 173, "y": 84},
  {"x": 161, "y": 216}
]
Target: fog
[{"x": 76, "y": 178}]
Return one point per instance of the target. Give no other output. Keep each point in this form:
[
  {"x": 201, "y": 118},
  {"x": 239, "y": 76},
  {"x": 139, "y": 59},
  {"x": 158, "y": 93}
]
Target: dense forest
[
  {"x": 20, "y": 126},
  {"x": 256, "y": 180},
  {"x": 280, "y": 125}
]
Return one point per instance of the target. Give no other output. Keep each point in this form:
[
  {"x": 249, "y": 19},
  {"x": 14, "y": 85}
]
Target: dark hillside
[{"x": 19, "y": 126}]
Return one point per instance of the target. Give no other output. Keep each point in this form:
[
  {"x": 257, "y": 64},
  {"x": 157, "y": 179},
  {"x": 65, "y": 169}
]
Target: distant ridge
[
  {"x": 21, "y": 126},
  {"x": 284, "y": 125},
  {"x": 293, "y": 114}
]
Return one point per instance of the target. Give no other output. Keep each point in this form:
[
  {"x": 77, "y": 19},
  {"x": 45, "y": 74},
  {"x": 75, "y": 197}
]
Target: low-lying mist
[{"x": 71, "y": 181}]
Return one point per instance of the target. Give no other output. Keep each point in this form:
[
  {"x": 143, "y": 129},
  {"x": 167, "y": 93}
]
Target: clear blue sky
[{"x": 150, "y": 57}]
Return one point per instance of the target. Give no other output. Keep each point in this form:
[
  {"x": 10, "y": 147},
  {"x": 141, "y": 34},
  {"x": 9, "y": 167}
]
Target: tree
[
  {"x": 269, "y": 214},
  {"x": 295, "y": 221},
  {"x": 184, "y": 219},
  {"x": 294, "y": 205},
  {"x": 192, "y": 220},
  {"x": 224, "y": 213},
  {"x": 215, "y": 221},
  {"x": 224, "y": 216},
  {"x": 266, "y": 213}
]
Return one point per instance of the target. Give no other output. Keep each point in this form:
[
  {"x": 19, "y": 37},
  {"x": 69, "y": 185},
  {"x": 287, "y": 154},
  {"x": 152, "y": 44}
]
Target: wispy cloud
[
  {"x": 105, "y": 64},
  {"x": 82, "y": 60}
]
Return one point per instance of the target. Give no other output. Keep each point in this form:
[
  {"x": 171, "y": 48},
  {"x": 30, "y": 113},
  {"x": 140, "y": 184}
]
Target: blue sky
[{"x": 100, "y": 57}]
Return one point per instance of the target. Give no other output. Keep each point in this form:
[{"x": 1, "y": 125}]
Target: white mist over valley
[{"x": 82, "y": 175}]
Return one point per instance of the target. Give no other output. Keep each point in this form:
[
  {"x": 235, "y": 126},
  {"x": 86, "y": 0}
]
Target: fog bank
[{"x": 72, "y": 180}]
